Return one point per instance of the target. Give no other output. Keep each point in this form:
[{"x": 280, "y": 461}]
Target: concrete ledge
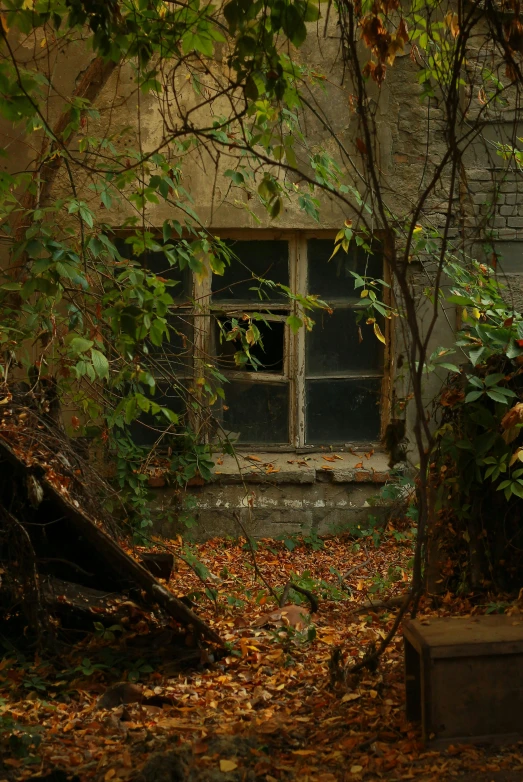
[
  {"x": 279, "y": 494},
  {"x": 289, "y": 467}
]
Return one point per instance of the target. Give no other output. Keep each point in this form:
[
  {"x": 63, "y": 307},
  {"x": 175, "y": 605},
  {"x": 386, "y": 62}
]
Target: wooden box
[{"x": 464, "y": 678}]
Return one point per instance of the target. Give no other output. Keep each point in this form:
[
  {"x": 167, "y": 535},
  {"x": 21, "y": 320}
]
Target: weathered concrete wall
[
  {"x": 272, "y": 497},
  {"x": 410, "y": 141}
]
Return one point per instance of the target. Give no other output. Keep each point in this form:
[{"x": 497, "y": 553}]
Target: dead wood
[
  {"x": 75, "y": 601},
  {"x": 353, "y": 569},
  {"x": 30, "y": 450},
  {"x": 313, "y": 600}
]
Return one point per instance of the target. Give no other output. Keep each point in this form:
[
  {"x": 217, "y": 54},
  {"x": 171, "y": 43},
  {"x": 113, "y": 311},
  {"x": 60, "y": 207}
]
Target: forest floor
[{"x": 265, "y": 711}]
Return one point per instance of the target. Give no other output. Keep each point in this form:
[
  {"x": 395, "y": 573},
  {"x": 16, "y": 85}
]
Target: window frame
[{"x": 294, "y": 373}]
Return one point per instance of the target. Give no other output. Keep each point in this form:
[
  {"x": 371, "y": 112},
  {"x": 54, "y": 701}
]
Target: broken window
[
  {"x": 257, "y": 395},
  {"x": 315, "y": 388},
  {"x": 343, "y": 358}
]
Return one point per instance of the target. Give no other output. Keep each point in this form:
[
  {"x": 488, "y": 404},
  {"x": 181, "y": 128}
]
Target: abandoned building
[{"x": 308, "y": 422}]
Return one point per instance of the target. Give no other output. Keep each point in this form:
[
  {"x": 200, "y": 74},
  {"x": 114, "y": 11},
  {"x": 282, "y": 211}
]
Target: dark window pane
[
  {"x": 270, "y": 355},
  {"x": 333, "y": 279},
  {"x": 147, "y": 428},
  {"x": 342, "y": 411},
  {"x": 176, "y": 355},
  {"x": 265, "y": 258},
  {"x": 333, "y": 346},
  {"x": 159, "y": 265},
  {"x": 257, "y": 412}
]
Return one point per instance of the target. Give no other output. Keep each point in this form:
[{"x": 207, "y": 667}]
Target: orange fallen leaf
[
  {"x": 227, "y": 765},
  {"x": 350, "y": 696},
  {"x": 329, "y": 458},
  {"x": 290, "y": 615},
  {"x": 358, "y": 466},
  {"x": 254, "y": 458}
]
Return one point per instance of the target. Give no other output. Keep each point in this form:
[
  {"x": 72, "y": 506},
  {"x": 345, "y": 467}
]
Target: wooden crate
[{"x": 464, "y": 678}]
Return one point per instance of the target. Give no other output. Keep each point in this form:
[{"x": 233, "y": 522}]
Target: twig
[
  {"x": 352, "y": 570},
  {"x": 371, "y": 658},
  {"x": 257, "y": 571},
  {"x": 313, "y": 600}
]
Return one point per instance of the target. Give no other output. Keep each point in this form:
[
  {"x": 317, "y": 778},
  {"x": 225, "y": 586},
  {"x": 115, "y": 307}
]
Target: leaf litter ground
[{"x": 268, "y": 710}]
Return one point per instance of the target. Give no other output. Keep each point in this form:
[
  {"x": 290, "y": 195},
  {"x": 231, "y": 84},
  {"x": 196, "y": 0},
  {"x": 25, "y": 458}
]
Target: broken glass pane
[
  {"x": 342, "y": 411},
  {"x": 333, "y": 346},
  {"x": 333, "y": 279},
  {"x": 175, "y": 355},
  {"x": 270, "y": 355},
  {"x": 267, "y": 258},
  {"x": 257, "y": 412}
]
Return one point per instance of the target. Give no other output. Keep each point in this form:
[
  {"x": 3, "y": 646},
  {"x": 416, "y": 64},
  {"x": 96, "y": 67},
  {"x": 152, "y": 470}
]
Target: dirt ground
[{"x": 270, "y": 708}]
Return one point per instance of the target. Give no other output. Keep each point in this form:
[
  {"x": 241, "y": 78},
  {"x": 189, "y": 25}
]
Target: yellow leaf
[
  {"x": 227, "y": 765},
  {"x": 379, "y": 335},
  {"x": 356, "y": 769},
  {"x": 350, "y": 696},
  {"x": 43, "y": 42},
  {"x": 518, "y": 454},
  {"x": 110, "y": 774},
  {"x": 364, "y": 293},
  {"x": 476, "y": 313},
  {"x": 3, "y": 22},
  {"x": 464, "y": 314}
]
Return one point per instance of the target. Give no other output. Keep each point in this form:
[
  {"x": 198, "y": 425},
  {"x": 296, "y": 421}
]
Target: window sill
[{"x": 290, "y": 467}]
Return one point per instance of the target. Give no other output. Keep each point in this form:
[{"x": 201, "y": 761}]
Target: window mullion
[
  {"x": 202, "y": 337},
  {"x": 297, "y": 372}
]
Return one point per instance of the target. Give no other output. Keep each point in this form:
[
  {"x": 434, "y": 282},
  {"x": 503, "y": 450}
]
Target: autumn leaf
[
  {"x": 253, "y": 458},
  {"x": 379, "y": 335},
  {"x": 362, "y": 147},
  {"x": 227, "y": 765}
]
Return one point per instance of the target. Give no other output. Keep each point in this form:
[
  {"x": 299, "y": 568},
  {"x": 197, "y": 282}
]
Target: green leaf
[
  {"x": 473, "y": 396},
  {"x": 475, "y": 381},
  {"x": 294, "y": 322},
  {"x": 475, "y": 355},
  {"x": 100, "y": 363},
  {"x": 497, "y": 396},
  {"x": 517, "y": 489},
  {"x": 80, "y": 345},
  {"x": 170, "y": 415},
  {"x": 312, "y": 12},
  {"x": 492, "y": 380}
]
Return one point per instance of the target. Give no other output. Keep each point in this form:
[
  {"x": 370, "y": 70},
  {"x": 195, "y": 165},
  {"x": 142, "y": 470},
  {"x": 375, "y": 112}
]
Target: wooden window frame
[{"x": 294, "y": 344}]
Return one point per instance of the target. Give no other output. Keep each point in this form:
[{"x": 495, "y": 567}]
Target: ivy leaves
[{"x": 490, "y": 387}]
